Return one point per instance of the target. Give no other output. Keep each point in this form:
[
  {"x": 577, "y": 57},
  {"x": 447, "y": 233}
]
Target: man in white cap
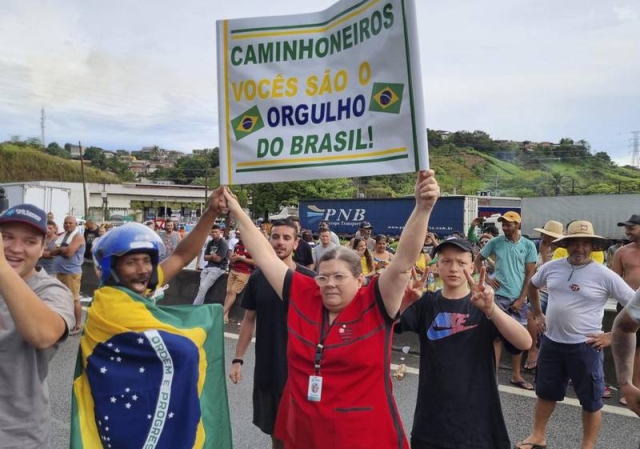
[
  {"x": 515, "y": 263},
  {"x": 551, "y": 231},
  {"x": 626, "y": 262},
  {"x": 572, "y": 345}
]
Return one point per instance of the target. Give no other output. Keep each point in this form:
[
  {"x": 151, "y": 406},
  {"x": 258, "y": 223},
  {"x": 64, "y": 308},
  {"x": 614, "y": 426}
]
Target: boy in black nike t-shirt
[{"x": 458, "y": 403}]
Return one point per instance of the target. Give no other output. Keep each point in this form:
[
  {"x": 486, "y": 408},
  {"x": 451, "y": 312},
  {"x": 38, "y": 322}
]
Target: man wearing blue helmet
[
  {"x": 129, "y": 255},
  {"x": 149, "y": 375}
]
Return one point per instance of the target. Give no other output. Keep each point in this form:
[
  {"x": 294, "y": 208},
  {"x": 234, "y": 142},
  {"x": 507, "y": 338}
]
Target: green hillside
[
  {"x": 468, "y": 171},
  {"x": 466, "y": 163},
  {"x": 20, "y": 163}
]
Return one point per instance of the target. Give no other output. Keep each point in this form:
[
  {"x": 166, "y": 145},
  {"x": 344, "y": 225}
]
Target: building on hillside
[
  {"x": 444, "y": 135},
  {"x": 126, "y": 158},
  {"x": 204, "y": 151},
  {"x": 173, "y": 155},
  {"x": 74, "y": 150},
  {"x": 139, "y": 167}
]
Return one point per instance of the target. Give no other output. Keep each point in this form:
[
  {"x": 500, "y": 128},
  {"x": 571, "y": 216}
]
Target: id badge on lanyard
[{"x": 314, "y": 391}]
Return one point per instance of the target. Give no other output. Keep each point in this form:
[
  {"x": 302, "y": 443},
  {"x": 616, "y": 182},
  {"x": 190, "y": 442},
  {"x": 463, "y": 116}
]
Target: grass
[{"x": 21, "y": 164}]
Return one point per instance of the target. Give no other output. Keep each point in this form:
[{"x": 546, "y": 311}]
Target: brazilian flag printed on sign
[
  {"x": 150, "y": 376},
  {"x": 386, "y": 97},
  {"x": 247, "y": 123}
]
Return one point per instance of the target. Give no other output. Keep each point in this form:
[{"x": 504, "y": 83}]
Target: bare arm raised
[
  {"x": 260, "y": 249},
  {"x": 483, "y": 297},
  {"x": 394, "y": 279},
  {"x": 190, "y": 246}
]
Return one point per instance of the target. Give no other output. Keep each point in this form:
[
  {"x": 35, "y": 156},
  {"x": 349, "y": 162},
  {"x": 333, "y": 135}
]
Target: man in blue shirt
[{"x": 515, "y": 261}]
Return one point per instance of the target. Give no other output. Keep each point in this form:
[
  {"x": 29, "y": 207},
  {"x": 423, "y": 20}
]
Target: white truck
[
  {"x": 603, "y": 211},
  {"x": 49, "y": 199}
]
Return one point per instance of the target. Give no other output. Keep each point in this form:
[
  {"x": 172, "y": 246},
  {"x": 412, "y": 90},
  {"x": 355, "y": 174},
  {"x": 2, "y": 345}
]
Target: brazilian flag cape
[{"x": 150, "y": 376}]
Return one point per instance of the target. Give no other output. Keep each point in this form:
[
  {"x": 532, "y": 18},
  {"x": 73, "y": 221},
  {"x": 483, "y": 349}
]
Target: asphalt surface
[{"x": 620, "y": 428}]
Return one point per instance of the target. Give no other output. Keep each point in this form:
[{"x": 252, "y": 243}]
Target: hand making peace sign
[{"x": 482, "y": 296}]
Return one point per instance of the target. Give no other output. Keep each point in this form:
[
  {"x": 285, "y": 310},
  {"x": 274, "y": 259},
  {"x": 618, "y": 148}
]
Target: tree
[
  {"x": 56, "y": 150},
  {"x": 558, "y": 181},
  {"x": 434, "y": 138},
  {"x": 605, "y": 158}
]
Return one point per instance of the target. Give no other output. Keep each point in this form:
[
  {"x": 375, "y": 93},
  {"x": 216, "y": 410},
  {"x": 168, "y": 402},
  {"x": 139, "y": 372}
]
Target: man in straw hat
[
  {"x": 572, "y": 345},
  {"x": 551, "y": 231}
]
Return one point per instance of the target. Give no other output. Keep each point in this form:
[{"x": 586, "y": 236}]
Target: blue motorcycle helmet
[{"x": 130, "y": 238}]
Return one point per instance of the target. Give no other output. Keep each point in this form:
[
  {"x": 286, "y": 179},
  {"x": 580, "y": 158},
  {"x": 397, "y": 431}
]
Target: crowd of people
[{"x": 324, "y": 312}]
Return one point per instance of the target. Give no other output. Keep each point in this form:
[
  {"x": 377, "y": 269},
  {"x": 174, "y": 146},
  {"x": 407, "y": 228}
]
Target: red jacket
[{"x": 357, "y": 409}]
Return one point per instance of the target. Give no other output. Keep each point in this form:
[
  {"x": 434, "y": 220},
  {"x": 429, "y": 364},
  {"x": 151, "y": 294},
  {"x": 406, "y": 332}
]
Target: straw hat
[
  {"x": 551, "y": 228},
  {"x": 580, "y": 229}
]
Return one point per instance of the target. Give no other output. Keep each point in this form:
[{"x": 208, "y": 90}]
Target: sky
[{"x": 126, "y": 74}]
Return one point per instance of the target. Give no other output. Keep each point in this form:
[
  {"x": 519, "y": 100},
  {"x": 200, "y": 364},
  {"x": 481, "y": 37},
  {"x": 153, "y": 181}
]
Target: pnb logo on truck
[{"x": 315, "y": 214}]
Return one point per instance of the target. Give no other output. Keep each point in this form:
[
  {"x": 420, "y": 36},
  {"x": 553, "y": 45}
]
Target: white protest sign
[{"x": 325, "y": 95}]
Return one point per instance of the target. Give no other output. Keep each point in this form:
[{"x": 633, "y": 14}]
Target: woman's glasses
[{"x": 337, "y": 279}]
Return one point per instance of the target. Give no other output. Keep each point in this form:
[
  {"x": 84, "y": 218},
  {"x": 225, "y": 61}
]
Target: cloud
[
  {"x": 625, "y": 13},
  {"x": 126, "y": 74}
]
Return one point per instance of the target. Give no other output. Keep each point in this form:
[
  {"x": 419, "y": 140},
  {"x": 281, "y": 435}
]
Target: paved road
[{"x": 620, "y": 429}]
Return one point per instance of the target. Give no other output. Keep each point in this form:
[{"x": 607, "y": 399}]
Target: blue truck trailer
[{"x": 388, "y": 215}]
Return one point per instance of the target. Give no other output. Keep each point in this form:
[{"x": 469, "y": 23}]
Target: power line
[{"x": 42, "y": 124}]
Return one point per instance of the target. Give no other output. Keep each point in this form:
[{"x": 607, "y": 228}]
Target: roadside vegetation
[{"x": 466, "y": 163}]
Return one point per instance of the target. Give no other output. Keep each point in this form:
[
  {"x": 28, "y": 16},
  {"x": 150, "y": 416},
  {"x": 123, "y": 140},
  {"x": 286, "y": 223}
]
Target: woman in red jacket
[{"x": 338, "y": 394}]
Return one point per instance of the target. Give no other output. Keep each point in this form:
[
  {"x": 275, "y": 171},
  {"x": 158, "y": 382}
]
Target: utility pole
[
  {"x": 43, "y": 119},
  {"x": 84, "y": 183},
  {"x": 206, "y": 184},
  {"x": 635, "y": 149}
]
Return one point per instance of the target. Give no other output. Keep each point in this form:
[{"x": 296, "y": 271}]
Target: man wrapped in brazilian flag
[{"x": 149, "y": 376}]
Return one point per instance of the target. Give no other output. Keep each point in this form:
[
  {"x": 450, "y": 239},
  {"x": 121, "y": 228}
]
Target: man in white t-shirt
[
  {"x": 623, "y": 347},
  {"x": 572, "y": 345},
  {"x": 36, "y": 314}
]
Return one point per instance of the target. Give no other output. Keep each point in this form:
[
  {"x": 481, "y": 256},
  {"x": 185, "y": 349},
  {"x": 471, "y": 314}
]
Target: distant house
[
  {"x": 126, "y": 158},
  {"x": 122, "y": 153},
  {"x": 109, "y": 154},
  {"x": 444, "y": 135},
  {"x": 74, "y": 150},
  {"x": 139, "y": 167},
  {"x": 173, "y": 155}
]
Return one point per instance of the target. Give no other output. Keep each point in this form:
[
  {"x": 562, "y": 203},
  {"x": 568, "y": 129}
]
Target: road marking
[{"x": 506, "y": 389}]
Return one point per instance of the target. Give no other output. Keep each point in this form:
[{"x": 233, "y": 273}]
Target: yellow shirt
[
  {"x": 363, "y": 264},
  {"x": 421, "y": 263},
  {"x": 561, "y": 253}
]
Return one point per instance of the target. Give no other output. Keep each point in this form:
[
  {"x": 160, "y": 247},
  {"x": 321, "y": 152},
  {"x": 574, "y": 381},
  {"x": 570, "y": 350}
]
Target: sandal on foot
[
  {"x": 530, "y": 366},
  {"x": 607, "y": 392},
  {"x": 623, "y": 401},
  {"x": 522, "y": 384},
  {"x": 530, "y": 446}
]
